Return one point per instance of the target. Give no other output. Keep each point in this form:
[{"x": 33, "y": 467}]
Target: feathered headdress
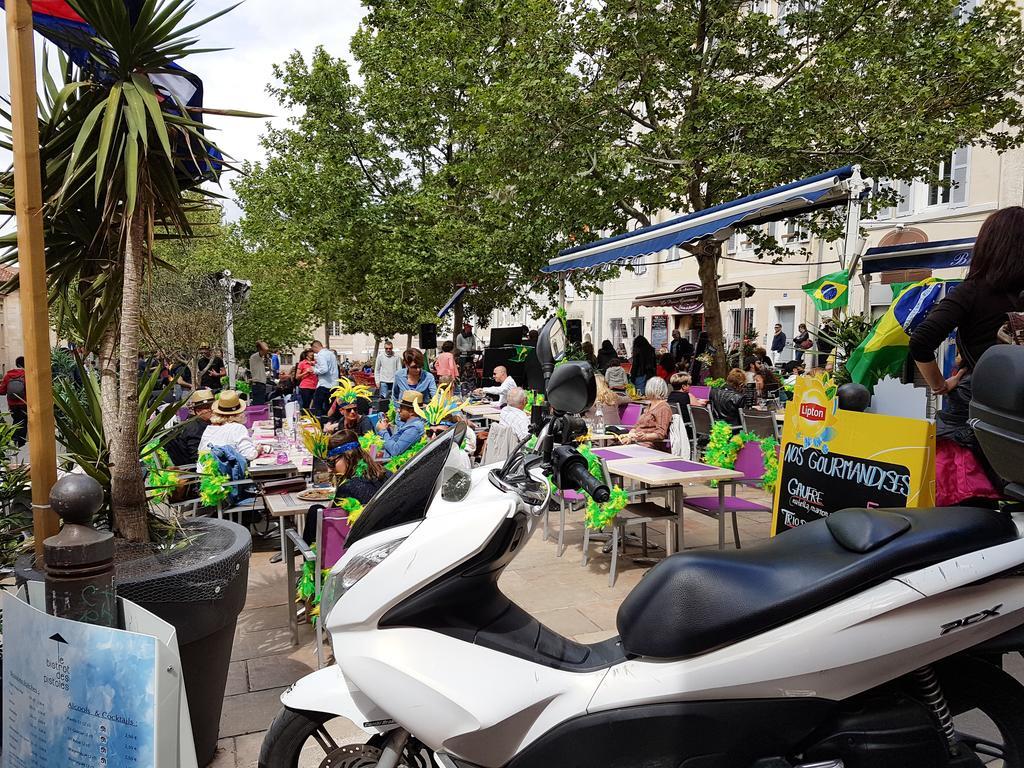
[
  {"x": 348, "y": 391},
  {"x": 442, "y": 405}
]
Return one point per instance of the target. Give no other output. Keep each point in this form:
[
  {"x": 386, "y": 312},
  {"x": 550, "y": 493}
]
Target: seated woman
[
  {"x": 413, "y": 377},
  {"x": 227, "y": 427},
  {"x": 651, "y": 429},
  {"x": 768, "y": 386},
  {"x": 615, "y": 377},
  {"x": 727, "y": 401},
  {"x": 357, "y": 476},
  {"x": 666, "y": 366},
  {"x": 680, "y": 394}
]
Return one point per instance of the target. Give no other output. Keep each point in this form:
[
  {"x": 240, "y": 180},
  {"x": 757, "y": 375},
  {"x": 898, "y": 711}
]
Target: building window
[
  {"x": 733, "y": 243},
  {"x": 286, "y": 358},
  {"x": 797, "y": 231},
  {"x": 880, "y": 187},
  {"x": 618, "y": 330},
  {"x": 334, "y": 328},
  {"x": 953, "y": 171},
  {"x": 905, "y": 205},
  {"x": 734, "y": 322},
  {"x": 637, "y": 325}
]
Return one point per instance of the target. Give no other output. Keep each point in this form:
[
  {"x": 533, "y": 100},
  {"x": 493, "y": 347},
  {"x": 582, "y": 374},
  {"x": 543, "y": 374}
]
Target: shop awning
[
  {"x": 937, "y": 255},
  {"x": 821, "y": 191},
  {"x": 451, "y": 302},
  {"x": 692, "y": 296}
]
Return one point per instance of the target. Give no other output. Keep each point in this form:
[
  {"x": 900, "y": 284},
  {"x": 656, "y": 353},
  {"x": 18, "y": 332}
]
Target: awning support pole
[
  {"x": 35, "y": 320},
  {"x": 865, "y": 280},
  {"x": 743, "y": 321},
  {"x": 561, "y": 290}
]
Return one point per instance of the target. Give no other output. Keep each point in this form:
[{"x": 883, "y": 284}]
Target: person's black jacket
[
  {"x": 606, "y": 355},
  {"x": 183, "y": 448},
  {"x": 726, "y": 404}
]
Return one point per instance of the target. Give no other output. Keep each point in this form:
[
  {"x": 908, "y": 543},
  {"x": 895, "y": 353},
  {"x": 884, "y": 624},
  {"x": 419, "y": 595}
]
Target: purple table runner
[
  {"x": 610, "y": 455},
  {"x": 679, "y": 465}
]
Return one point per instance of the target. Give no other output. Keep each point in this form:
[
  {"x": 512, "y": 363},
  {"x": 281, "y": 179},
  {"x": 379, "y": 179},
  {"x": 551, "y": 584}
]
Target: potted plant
[{"x": 124, "y": 155}]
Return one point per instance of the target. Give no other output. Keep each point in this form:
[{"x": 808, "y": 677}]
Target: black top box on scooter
[{"x": 997, "y": 409}]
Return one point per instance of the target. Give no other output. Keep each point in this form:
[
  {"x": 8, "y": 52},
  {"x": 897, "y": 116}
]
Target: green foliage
[
  {"x": 79, "y": 417},
  {"x": 845, "y": 335},
  {"x": 15, "y": 504}
]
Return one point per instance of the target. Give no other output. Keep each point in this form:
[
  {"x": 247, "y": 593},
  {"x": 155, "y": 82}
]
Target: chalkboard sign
[
  {"x": 659, "y": 331},
  {"x": 813, "y": 484},
  {"x": 833, "y": 459}
]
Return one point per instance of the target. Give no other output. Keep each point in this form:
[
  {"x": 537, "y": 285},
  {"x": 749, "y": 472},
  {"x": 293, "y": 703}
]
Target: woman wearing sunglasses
[{"x": 413, "y": 376}]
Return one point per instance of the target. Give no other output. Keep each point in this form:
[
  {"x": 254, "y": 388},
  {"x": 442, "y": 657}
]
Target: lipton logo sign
[{"x": 812, "y": 412}]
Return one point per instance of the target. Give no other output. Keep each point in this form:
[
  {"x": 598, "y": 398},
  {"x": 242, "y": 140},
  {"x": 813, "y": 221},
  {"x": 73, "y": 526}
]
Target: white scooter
[{"x": 872, "y": 638}]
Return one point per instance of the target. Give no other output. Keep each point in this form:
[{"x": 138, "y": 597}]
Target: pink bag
[{"x": 959, "y": 475}]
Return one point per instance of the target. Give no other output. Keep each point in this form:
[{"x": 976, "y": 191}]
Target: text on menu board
[
  {"x": 75, "y": 695},
  {"x": 814, "y": 484}
]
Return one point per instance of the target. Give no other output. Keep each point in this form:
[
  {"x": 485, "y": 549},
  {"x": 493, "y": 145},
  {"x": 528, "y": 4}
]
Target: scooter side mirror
[
  {"x": 550, "y": 346},
  {"x": 572, "y": 388}
]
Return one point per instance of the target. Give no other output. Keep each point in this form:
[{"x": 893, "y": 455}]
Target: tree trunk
[
  {"x": 327, "y": 333},
  {"x": 376, "y": 349},
  {"x": 408, "y": 341},
  {"x": 127, "y": 490},
  {"x": 707, "y": 253},
  {"x": 458, "y": 315}
]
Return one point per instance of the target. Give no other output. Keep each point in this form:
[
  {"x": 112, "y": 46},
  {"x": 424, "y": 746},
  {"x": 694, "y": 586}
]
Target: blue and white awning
[
  {"x": 941, "y": 254},
  {"x": 451, "y": 302},
  {"x": 822, "y": 191}
]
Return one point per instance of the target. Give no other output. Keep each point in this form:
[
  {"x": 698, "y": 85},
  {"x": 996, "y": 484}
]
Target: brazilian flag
[
  {"x": 830, "y": 291},
  {"x": 884, "y": 350}
]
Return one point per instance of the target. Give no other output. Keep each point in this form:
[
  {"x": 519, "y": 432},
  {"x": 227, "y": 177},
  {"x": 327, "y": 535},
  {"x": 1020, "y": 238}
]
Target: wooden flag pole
[{"x": 35, "y": 319}]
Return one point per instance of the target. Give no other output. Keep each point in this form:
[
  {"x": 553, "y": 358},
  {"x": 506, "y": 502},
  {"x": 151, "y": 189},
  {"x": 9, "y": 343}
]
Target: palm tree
[{"x": 118, "y": 156}]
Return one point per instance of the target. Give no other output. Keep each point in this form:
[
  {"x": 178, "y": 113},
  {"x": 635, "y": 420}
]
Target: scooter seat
[{"x": 695, "y": 602}]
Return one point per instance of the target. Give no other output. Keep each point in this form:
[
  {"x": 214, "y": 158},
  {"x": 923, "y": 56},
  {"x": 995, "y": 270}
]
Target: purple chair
[
  {"x": 572, "y": 498},
  {"x": 256, "y": 413},
  {"x": 750, "y": 462},
  {"x": 332, "y": 531},
  {"x": 630, "y": 413},
  {"x": 700, "y": 391}
]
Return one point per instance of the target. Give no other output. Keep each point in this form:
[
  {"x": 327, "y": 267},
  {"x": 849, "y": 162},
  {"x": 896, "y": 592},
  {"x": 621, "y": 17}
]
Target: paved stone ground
[{"x": 569, "y": 598}]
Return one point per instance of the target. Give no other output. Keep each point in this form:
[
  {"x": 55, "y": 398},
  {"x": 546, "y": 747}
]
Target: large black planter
[{"x": 198, "y": 588}]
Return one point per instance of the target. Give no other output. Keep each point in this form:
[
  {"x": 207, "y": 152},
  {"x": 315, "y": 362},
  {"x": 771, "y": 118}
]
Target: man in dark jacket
[
  {"x": 680, "y": 348},
  {"x": 13, "y": 385},
  {"x": 778, "y": 344},
  {"x": 183, "y": 448}
]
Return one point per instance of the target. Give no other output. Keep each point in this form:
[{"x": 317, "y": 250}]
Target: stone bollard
[{"x": 80, "y": 560}]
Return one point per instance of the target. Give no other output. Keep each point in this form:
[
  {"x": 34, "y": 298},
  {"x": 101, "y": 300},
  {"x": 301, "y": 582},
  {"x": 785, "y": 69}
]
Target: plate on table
[
  {"x": 316, "y": 494},
  {"x": 264, "y": 461}
]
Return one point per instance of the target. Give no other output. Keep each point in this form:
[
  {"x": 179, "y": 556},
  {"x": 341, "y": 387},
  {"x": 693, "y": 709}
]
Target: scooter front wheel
[{"x": 328, "y": 741}]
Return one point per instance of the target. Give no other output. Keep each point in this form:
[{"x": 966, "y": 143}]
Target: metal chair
[
  {"x": 700, "y": 417},
  {"x": 572, "y": 498},
  {"x": 633, "y": 514},
  {"x": 750, "y": 462},
  {"x": 761, "y": 423}
]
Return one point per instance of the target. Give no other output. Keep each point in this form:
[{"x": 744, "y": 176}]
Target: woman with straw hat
[{"x": 227, "y": 427}]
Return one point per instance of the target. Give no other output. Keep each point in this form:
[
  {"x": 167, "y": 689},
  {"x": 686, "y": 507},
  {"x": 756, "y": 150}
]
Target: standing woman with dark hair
[
  {"x": 644, "y": 364},
  {"x": 975, "y": 309},
  {"x": 305, "y": 378},
  {"x": 413, "y": 377}
]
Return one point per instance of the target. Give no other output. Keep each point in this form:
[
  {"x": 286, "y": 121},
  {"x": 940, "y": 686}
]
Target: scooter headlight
[{"x": 340, "y": 582}]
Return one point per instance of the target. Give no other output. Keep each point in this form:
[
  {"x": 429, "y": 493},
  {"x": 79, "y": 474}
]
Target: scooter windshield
[{"x": 407, "y": 494}]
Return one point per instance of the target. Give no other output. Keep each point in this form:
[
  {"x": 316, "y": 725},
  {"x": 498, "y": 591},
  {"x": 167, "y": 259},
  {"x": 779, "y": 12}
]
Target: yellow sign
[{"x": 833, "y": 459}]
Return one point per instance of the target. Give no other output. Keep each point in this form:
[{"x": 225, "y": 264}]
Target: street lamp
[{"x": 237, "y": 292}]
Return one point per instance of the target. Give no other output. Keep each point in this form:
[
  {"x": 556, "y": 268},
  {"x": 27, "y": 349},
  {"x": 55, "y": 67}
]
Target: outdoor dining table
[
  {"x": 480, "y": 409},
  {"x": 671, "y": 473},
  {"x": 286, "y": 507}
]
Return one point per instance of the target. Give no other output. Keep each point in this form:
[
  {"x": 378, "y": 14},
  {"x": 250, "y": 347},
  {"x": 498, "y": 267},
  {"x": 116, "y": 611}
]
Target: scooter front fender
[{"x": 327, "y": 690}]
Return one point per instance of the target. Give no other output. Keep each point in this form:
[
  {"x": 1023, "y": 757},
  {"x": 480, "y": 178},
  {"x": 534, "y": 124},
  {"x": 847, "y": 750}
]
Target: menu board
[
  {"x": 76, "y": 695},
  {"x": 832, "y": 459},
  {"x": 659, "y": 331}
]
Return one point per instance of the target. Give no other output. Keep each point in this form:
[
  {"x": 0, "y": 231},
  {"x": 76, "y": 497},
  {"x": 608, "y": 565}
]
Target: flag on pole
[
  {"x": 177, "y": 89},
  {"x": 830, "y": 291},
  {"x": 884, "y": 350}
]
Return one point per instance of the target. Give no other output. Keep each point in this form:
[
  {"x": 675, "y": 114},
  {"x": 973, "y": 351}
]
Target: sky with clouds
[{"x": 259, "y": 33}]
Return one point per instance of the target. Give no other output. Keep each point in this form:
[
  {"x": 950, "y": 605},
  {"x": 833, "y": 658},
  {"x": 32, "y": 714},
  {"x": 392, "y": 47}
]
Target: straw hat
[
  {"x": 201, "y": 397},
  {"x": 229, "y": 403},
  {"x": 411, "y": 398}
]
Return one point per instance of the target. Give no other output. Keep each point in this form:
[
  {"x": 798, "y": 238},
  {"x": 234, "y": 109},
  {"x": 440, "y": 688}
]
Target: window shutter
[
  {"x": 906, "y": 203},
  {"x": 958, "y": 175}
]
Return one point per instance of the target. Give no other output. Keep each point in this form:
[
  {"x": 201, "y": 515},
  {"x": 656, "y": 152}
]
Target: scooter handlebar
[{"x": 577, "y": 474}]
